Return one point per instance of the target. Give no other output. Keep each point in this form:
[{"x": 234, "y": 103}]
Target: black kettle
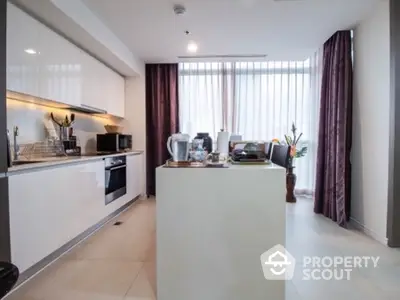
[{"x": 207, "y": 140}]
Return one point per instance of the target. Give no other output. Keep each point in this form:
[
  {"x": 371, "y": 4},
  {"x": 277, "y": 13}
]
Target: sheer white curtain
[
  {"x": 259, "y": 100},
  {"x": 200, "y": 98}
]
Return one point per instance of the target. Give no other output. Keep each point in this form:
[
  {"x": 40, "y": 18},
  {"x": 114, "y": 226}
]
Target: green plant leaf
[{"x": 302, "y": 152}]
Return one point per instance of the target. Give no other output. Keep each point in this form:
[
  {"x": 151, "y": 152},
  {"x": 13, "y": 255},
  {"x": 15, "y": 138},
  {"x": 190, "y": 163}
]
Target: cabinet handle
[
  {"x": 115, "y": 168},
  {"x": 102, "y": 111}
]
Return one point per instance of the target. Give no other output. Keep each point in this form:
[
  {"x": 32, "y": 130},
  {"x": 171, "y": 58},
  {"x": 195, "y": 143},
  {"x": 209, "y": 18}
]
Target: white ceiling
[{"x": 283, "y": 29}]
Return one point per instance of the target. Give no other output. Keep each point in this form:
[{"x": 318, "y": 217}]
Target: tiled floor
[{"x": 118, "y": 263}]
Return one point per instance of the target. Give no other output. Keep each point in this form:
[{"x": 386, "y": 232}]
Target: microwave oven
[{"x": 114, "y": 142}]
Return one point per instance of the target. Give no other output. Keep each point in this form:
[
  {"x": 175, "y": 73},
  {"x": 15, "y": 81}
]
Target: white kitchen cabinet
[
  {"x": 134, "y": 175},
  {"x": 106, "y": 88},
  {"x": 22, "y": 37},
  {"x": 116, "y": 96},
  {"x": 50, "y": 207},
  {"x": 94, "y": 83},
  {"x": 59, "y": 70}
]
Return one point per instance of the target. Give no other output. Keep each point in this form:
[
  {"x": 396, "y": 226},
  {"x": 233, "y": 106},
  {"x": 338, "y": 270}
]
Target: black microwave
[{"x": 114, "y": 142}]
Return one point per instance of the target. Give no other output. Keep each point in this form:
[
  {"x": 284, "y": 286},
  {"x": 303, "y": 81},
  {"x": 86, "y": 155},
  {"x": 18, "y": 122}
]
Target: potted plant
[{"x": 295, "y": 152}]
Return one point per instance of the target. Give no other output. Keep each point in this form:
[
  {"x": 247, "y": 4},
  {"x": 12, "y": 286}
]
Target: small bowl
[{"x": 113, "y": 128}]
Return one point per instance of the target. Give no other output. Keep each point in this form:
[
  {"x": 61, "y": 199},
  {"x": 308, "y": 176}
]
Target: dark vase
[
  {"x": 207, "y": 141},
  {"x": 290, "y": 185}
]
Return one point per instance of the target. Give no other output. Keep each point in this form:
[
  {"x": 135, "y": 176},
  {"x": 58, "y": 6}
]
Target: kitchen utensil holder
[{"x": 64, "y": 133}]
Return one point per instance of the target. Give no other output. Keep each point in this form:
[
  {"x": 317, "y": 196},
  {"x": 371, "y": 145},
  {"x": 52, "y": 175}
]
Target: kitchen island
[{"x": 212, "y": 227}]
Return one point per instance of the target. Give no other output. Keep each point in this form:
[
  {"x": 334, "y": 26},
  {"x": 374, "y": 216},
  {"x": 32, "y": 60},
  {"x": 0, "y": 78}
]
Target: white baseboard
[{"x": 361, "y": 227}]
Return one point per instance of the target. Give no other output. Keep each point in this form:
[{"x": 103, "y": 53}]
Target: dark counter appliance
[
  {"x": 113, "y": 142},
  {"x": 207, "y": 140},
  {"x": 241, "y": 155}
]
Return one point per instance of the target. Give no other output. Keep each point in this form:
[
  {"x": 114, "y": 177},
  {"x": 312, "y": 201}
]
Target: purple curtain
[
  {"x": 162, "y": 116},
  {"x": 332, "y": 188}
]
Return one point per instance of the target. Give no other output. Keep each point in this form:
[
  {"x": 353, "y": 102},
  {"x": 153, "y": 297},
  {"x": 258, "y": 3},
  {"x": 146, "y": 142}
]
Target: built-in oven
[{"x": 115, "y": 175}]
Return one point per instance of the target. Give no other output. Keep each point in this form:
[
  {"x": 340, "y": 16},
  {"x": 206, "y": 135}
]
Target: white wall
[
  {"x": 370, "y": 156},
  {"x": 135, "y": 115},
  {"x": 35, "y": 124}
]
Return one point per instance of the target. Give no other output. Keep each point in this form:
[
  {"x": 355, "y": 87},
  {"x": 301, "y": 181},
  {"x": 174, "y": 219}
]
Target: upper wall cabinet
[
  {"x": 60, "y": 68},
  {"x": 116, "y": 92},
  {"x": 44, "y": 64},
  {"x": 23, "y": 65}
]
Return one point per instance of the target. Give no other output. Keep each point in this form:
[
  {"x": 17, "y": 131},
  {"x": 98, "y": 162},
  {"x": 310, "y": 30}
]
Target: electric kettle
[{"x": 178, "y": 146}]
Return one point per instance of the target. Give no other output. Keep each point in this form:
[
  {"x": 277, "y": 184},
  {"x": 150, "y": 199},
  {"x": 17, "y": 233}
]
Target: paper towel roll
[{"x": 223, "y": 142}]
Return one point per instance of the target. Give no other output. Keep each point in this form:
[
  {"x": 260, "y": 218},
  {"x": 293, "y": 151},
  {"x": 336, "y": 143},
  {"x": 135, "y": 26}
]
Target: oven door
[{"x": 115, "y": 185}]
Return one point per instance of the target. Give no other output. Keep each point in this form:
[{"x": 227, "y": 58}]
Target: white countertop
[
  {"x": 229, "y": 166},
  {"x": 47, "y": 162}
]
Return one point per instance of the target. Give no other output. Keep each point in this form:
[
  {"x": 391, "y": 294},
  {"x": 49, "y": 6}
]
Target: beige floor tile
[
  {"x": 20, "y": 296},
  {"x": 107, "y": 278},
  {"x": 150, "y": 270},
  {"x": 75, "y": 295},
  {"x": 128, "y": 248},
  {"x": 142, "y": 287},
  {"x": 151, "y": 250}
]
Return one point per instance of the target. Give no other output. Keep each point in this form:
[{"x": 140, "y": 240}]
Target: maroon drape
[
  {"x": 162, "y": 116},
  {"x": 332, "y": 189}
]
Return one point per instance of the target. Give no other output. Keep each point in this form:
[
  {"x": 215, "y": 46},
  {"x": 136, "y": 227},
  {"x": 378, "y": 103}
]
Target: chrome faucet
[{"x": 16, "y": 147}]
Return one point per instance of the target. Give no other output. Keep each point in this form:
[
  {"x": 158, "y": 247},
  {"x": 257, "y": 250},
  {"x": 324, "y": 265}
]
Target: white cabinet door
[
  {"x": 130, "y": 176},
  {"x": 22, "y": 52},
  {"x": 140, "y": 174},
  {"x": 116, "y": 99},
  {"x": 94, "y": 83},
  {"x": 50, "y": 207},
  {"x": 60, "y": 68},
  {"x": 134, "y": 175}
]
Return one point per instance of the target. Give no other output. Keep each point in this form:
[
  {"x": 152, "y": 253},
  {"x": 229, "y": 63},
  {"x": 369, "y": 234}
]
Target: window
[{"x": 258, "y": 100}]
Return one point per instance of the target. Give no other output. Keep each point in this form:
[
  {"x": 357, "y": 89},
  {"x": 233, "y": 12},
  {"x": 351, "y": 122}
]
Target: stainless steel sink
[{"x": 24, "y": 162}]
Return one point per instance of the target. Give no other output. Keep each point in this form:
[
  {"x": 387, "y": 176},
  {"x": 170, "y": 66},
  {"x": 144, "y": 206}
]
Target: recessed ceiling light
[
  {"x": 192, "y": 47},
  {"x": 30, "y": 51}
]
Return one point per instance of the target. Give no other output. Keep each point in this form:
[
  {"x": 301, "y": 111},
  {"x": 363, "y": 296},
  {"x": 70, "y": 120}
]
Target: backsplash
[{"x": 35, "y": 124}]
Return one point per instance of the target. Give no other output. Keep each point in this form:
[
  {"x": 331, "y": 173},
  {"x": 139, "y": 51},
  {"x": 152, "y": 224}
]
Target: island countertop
[
  {"x": 213, "y": 224},
  {"x": 48, "y": 162}
]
